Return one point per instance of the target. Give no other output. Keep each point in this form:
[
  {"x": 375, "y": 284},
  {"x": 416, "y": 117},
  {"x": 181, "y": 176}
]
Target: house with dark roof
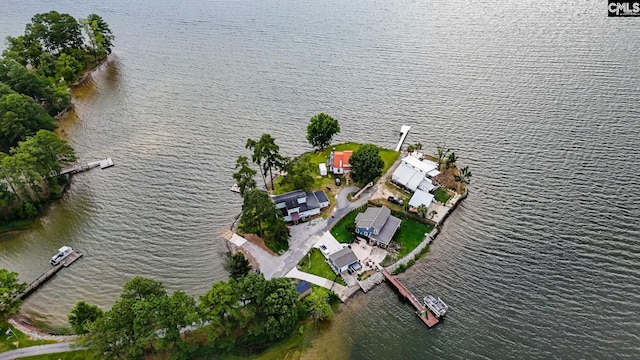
[
  {"x": 300, "y": 205},
  {"x": 339, "y": 161},
  {"x": 344, "y": 259},
  {"x": 378, "y": 225}
]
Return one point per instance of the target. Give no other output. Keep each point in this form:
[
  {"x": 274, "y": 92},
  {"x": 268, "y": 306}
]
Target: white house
[
  {"x": 299, "y": 205},
  {"x": 414, "y": 174},
  {"x": 420, "y": 198},
  {"x": 343, "y": 260}
]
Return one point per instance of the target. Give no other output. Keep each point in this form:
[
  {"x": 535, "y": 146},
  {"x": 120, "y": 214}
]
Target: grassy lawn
[
  {"x": 339, "y": 230},
  {"x": 441, "y": 195},
  {"x": 18, "y": 338},
  {"x": 388, "y": 156},
  {"x": 410, "y": 235},
  {"x": 319, "y": 267},
  {"x": 72, "y": 355}
]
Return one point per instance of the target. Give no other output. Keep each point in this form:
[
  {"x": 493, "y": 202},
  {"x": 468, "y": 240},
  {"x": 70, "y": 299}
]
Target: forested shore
[{"x": 37, "y": 70}]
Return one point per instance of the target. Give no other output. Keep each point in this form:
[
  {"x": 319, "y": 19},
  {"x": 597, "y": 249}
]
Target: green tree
[
  {"x": 20, "y": 117},
  {"x": 82, "y": 316},
  {"x": 366, "y": 164},
  {"x": 299, "y": 172},
  {"x": 321, "y": 130},
  {"x": 463, "y": 177},
  {"x": 99, "y": 35},
  {"x": 277, "y": 234},
  {"x": 244, "y": 175},
  {"x": 238, "y": 266},
  {"x": 220, "y": 307},
  {"x": 279, "y": 308},
  {"x": 56, "y": 32},
  {"x": 143, "y": 317},
  {"x": 422, "y": 209},
  {"x": 442, "y": 151},
  {"x": 270, "y": 155},
  {"x": 318, "y": 305},
  {"x": 10, "y": 289},
  {"x": 451, "y": 160},
  {"x": 257, "y": 208},
  {"x": 67, "y": 69},
  {"x": 257, "y": 158}
]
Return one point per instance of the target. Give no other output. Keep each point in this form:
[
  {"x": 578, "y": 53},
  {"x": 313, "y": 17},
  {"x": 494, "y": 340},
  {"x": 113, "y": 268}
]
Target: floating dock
[
  {"x": 80, "y": 167},
  {"x": 35, "y": 284},
  {"x": 404, "y": 131},
  {"x": 423, "y": 313}
]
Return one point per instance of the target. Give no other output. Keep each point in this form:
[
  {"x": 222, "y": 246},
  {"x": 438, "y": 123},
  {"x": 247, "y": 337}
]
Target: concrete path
[
  {"x": 38, "y": 350},
  {"x": 317, "y": 280}
]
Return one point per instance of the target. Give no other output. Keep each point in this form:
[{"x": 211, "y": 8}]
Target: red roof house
[{"x": 339, "y": 161}]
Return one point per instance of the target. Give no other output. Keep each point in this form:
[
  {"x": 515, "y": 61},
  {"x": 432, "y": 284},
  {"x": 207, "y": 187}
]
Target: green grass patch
[
  {"x": 340, "y": 231},
  {"x": 18, "y": 340},
  {"x": 318, "y": 266},
  {"x": 410, "y": 235},
  {"x": 389, "y": 157},
  {"x": 71, "y": 355},
  {"x": 441, "y": 195}
]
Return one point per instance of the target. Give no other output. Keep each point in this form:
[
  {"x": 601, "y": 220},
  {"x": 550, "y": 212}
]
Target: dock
[
  {"x": 404, "y": 131},
  {"x": 80, "y": 167},
  {"x": 40, "y": 280},
  {"x": 423, "y": 313}
]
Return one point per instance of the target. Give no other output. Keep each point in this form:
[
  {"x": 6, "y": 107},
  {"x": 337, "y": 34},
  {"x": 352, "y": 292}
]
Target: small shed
[
  {"x": 303, "y": 288},
  {"x": 323, "y": 169}
]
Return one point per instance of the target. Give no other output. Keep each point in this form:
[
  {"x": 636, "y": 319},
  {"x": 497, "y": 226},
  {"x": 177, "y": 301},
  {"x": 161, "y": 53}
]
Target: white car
[{"x": 323, "y": 248}]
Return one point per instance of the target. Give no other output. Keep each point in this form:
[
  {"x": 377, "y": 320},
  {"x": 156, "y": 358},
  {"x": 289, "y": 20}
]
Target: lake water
[{"x": 541, "y": 99}]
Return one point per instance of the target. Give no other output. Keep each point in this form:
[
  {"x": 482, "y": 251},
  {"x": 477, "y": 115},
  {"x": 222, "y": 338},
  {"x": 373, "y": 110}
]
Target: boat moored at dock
[
  {"x": 435, "y": 305},
  {"x": 63, "y": 252}
]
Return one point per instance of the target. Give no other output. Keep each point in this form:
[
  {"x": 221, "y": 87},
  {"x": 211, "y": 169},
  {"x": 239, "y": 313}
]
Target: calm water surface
[{"x": 541, "y": 100}]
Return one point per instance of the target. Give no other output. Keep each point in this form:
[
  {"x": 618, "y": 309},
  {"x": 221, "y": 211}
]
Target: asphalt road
[{"x": 38, "y": 350}]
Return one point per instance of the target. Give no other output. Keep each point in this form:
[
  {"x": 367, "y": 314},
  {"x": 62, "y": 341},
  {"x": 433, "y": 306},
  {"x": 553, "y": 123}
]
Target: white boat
[
  {"x": 435, "y": 305},
  {"x": 235, "y": 188},
  {"x": 63, "y": 252}
]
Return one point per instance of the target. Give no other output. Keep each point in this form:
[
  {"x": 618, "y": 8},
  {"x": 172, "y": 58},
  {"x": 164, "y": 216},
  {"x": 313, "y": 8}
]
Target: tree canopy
[
  {"x": 321, "y": 130},
  {"x": 244, "y": 176},
  {"x": 10, "y": 288},
  {"x": 366, "y": 164},
  {"x": 299, "y": 172},
  {"x": 144, "y": 320},
  {"x": 238, "y": 266},
  {"x": 82, "y": 316}
]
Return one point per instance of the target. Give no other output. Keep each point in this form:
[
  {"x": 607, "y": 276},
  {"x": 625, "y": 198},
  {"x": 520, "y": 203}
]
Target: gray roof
[
  {"x": 388, "y": 230},
  {"x": 343, "y": 258},
  {"x": 321, "y": 196},
  {"x": 373, "y": 217},
  {"x": 290, "y": 199}
]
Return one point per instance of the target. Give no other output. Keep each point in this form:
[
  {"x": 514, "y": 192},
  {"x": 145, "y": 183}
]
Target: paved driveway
[{"x": 38, "y": 350}]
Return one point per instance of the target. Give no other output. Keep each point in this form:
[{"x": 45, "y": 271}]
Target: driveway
[{"x": 38, "y": 350}]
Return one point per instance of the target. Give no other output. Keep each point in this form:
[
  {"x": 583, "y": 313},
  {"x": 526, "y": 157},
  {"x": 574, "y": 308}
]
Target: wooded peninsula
[{"x": 37, "y": 70}]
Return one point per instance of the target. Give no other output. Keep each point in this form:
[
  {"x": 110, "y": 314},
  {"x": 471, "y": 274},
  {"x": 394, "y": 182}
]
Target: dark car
[
  {"x": 395, "y": 200},
  {"x": 338, "y": 181}
]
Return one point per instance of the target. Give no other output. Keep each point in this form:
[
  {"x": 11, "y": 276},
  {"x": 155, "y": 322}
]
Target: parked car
[
  {"x": 338, "y": 181},
  {"x": 324, "y": 249},
  {"x": 395, "y": 200}
]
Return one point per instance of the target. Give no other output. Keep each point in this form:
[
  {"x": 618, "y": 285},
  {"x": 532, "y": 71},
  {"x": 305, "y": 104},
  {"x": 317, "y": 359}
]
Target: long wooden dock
[
  {"x": 80, "y": 167},
  {"x": 35, "y": 284},
  {"x": 423, "y": 313}
]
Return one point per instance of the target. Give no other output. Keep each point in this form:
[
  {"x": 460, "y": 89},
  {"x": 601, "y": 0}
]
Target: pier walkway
[
  {"x": 35, "y": 284},
  {"x": 423, "y": 313},
  {"x": 80, "y": 167},
  {"x": 404, "y": 131}
]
